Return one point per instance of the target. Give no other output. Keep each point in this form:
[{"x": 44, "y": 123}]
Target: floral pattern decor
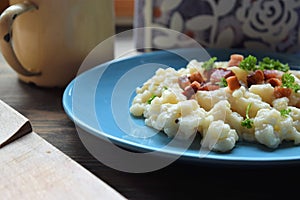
[{"x": 272, "y": 25}]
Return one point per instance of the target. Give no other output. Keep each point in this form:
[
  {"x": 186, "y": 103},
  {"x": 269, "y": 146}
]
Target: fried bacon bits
[
  {"x": 233, "y": 83},
  {"x": 280, "y": 92},
  {"x": 235, "y": 60},
  {"x": 184, "y": 81},
  {"x": 220, "y": 73},
  {"x": 274, "y": 82},
  {"x": 272, "y": 74},
  {"x": 256, "y": 77},
  {"x": 196, "y": 81},
  {"x": 196, "y": 77},
  {"x": 213, "y": 78}
]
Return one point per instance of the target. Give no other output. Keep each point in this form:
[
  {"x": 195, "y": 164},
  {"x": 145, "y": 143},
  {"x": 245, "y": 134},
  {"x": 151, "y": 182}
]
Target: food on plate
[{"x": 242, "y": 99}]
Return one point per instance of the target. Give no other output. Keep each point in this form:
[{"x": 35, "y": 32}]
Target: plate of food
[{"x": 232, "y": 106}]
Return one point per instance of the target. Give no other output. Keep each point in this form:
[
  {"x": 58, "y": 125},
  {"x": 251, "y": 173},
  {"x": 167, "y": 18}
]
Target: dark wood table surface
[{"x": 180, "y": 180}]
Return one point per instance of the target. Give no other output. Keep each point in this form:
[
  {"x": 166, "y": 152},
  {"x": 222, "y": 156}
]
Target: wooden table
[{"x": 180, "y": 180}]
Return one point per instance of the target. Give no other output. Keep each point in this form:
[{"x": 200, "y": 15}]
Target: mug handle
[{"x": 6, "y": 21}]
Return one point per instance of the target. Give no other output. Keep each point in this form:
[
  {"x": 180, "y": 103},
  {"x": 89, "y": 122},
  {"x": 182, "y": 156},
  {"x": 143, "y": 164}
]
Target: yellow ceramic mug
[{"x": 45, "y": 41}]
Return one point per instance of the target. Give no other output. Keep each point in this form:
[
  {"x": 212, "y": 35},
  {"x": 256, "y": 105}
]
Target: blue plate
[{"x": 98, "y": 101}]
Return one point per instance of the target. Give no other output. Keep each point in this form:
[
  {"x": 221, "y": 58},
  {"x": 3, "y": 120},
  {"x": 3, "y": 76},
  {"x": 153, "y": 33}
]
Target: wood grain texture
[{"x": 31, "y": 168}]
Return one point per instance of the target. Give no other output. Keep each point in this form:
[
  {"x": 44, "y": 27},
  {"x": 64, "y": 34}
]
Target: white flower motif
[
  {"x": 230, "y": 33},
  {"x": 201, "y": 22},
  {"x": 175, "y": 38},
  {"x": 176, "y": 22},
  {"x": 270, "y": 20},
  {"x": 225, "y": 39},
  {"x": 164, "y": 9},
  {"x": 210, "y": 22},
  {"x": 169, "y": 38}
]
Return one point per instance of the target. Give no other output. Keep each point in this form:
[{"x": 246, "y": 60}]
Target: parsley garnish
[
  {"x": 248, "y": 123},
  {"x": 249, "y": 63},
  {"x": 223, "y": 82},
  {"x": 151, "y": 98},
  {"x": 208, "y": 65},
  {"x": 268, "y": 63},
  {"x": 285, "y": 112},
  {"x": 288, "y": 81}
]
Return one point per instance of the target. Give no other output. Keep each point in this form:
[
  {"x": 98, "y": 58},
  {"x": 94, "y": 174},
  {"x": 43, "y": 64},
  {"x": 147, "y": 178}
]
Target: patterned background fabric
[{"x": 252, "y": 24}]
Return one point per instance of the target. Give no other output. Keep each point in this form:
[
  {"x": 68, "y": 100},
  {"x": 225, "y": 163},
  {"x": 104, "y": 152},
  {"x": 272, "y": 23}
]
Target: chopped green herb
[
  {"x": 248, "y": 123},
  {"x": 223, "y": 82},
  {"x": 209, "y": 64},
  {"x": 296, "y": 87},
  {"x": 151, "y": 98},
  {"x": 249, "y": 63},
  {"x": 268, "y": 63},
  {"x": 165, "y": 87},
  {"x": 285, "y": 112},
  {"x": 288, "y": 81}
]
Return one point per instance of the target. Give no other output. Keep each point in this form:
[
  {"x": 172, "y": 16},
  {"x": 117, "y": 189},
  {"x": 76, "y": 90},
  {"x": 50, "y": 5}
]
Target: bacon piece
[
  {"x": 220, "y": 73},
  {"x": 196, "y": 77},
  {"x": 274, "y": 82},
  {"x": 196, "y": 86},
  {"x": 235, "y": 60},
  {"x": 183, "y": 82},
  {"x": 280, "y": 92},
  {"x": 233, "y": 83},
  {"x": 207, "y": 73},
  {"x": 272, "y": 74},
  {"x": 256, "y": 77},
  {"x": 191, "y": 89},
  {"x": 209, "y": 87},
  {"x": 188, "y": 92}
]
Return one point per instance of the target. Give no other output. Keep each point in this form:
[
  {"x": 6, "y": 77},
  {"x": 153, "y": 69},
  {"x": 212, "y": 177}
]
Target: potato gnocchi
[{"x": 223, "y": 101}]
